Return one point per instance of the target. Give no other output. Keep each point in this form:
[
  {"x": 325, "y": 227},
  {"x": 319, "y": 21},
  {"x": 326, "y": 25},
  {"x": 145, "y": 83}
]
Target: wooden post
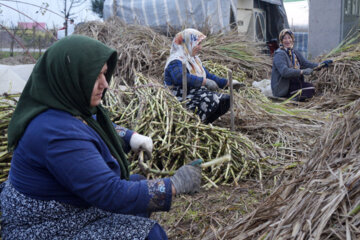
[
  {"x": 232, "y": 125},
  {"x": 184, "y": 84}
]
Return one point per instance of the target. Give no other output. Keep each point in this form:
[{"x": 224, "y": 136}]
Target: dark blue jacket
[
  {"x": 173, "y": 77},
  {"x": 283, "y": 71},
  {"x": 61, "y": 158}
]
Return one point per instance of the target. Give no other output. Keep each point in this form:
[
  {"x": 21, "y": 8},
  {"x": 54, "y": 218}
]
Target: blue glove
[
  {"x": 326, "y": 63},
  {"x": 211, "y": 85}
]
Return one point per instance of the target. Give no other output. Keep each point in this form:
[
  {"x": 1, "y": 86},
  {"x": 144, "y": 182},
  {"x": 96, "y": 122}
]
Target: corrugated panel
[{"x": 276, "y": 2}]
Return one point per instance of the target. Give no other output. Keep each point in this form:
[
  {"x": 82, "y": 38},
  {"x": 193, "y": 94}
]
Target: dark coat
[{"x": 283, "y": 71}]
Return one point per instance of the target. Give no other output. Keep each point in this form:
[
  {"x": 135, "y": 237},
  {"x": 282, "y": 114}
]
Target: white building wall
[{"x": 325, "y": 26}]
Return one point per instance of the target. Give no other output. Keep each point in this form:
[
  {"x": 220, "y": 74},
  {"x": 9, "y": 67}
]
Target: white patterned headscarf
[{"x": 182, "y": 47}]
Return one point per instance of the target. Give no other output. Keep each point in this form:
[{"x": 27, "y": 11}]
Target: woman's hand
[
  {"x": 237, "y": 85},
  {"x": 307, "y": 71},
  {"x": 211, "y": 85},
  {"x": 326, "y": 63},
  {"x": 187, "y": 179}
]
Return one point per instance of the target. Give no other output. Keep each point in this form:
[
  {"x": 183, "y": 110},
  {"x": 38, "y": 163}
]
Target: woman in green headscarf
[{"x": 69, "y": 176}]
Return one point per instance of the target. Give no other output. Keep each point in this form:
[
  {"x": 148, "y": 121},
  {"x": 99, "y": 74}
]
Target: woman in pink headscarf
[{"x": 202, "y": 85}]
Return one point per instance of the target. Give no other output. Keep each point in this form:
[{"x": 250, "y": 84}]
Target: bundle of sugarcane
[
  {"x": 340, "y": 102},
  {"x": 7, "y": 105},
  {"x": 343, "y": 74},
  {"x": 222, "y": 71},
  {"x": 321, "y": 201},
  {"x": 179, "y": 136}
]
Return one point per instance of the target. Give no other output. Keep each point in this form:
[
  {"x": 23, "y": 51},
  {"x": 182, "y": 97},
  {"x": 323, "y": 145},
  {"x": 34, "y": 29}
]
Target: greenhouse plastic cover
[
  {"x": 13, "y": 78},
  {"x": 174, "y": 13},
  {"x": 164, "y": 15}
]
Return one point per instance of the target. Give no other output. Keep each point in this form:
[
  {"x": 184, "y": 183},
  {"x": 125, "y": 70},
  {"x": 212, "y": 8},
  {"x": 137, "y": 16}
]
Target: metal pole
[
  {"x": 232, "y": 125},
  {"x": 114, "y": 8},
  {"x": 184, "y": 84}
]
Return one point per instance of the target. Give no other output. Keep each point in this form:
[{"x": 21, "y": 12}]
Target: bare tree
[{"x": 69, "y": 5}]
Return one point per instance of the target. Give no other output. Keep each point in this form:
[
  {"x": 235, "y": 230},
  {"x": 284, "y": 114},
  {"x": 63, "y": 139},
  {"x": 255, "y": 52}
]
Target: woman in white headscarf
[{"x": 201, "y": 84}]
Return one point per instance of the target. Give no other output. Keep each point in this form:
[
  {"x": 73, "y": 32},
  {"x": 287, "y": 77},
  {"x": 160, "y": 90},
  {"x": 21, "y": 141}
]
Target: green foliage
[
  {"x": 4, "y": 54},
  {"x": 35, "y": 38}
]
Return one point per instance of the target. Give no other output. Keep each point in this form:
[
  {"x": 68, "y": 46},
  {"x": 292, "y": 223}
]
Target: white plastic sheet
[
  {"x": 13, "y": 78},
  {"x": 264, "y": 86}
]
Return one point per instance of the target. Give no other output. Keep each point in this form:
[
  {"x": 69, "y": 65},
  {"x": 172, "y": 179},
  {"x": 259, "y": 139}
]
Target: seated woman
[
  {"x": 69, "y": 176},
  {"x": 289, "y": 68},
  {"x": 201, "y": 84}
]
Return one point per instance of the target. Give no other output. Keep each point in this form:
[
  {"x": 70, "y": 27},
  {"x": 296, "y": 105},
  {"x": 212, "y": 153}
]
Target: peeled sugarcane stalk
[{"x": 146, "y": 169}]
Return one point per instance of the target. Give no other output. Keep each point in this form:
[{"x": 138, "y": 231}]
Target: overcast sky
[{"x": 10, "y": 17}]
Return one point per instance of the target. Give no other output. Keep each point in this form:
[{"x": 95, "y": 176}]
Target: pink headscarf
[{"x": 182, "y": 47}]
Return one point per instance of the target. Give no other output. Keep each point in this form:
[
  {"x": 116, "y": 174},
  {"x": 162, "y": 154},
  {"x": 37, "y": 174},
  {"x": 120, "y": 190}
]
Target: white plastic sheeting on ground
[
  {"x": 14, "y": 77},
  {"x": 264, "y": 86}
]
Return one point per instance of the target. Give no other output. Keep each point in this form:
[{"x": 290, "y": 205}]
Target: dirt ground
[
  {"x": 191, "y": 217},
  {"x": 19, "y": 59}
]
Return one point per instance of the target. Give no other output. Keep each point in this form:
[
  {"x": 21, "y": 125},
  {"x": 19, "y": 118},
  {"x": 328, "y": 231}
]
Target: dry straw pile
[
  {"x": 339, "y": 84},
  {"x": 321, "y": 201}
]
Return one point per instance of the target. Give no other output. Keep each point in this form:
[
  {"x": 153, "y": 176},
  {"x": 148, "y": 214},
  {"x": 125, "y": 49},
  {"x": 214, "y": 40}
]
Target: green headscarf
[{"x": 64, "y": 78}]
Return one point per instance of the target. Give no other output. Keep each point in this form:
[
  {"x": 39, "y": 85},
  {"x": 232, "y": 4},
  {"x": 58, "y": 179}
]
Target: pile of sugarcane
[
  {"x": 7, "y": 106},
  {"x": 222, "y": 71},
  {"x": 339, "y": 84},
  {"x": 321, "y": 200},
  {"x": 180, "y": 137}
]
